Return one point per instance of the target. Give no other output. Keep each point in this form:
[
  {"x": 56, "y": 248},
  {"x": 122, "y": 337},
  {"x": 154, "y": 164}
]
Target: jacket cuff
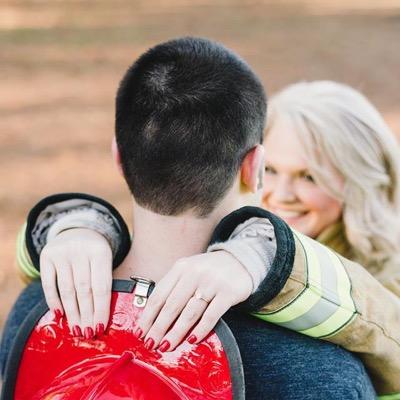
[
  {"x": 282, "y": 265},
  {"x": 49, "y": 206}
]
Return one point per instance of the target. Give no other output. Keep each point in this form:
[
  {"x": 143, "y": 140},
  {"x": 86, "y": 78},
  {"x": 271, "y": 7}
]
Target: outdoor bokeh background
[{"x": 61, "y": 61}]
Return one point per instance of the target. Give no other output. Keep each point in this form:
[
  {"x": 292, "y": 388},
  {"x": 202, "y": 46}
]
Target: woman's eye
[
  {"x": 308, "y": 178},
  {"x": 269, "y": 170}
]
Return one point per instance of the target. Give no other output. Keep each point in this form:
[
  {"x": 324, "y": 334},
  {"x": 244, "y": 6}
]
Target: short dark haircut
[{"x": 187, "y": 112}]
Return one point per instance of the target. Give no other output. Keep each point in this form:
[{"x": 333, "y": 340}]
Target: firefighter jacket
[{"x": 311, "y": 287}]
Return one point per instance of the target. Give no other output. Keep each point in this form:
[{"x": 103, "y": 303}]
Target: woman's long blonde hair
[{"x": 343, "y": 133}]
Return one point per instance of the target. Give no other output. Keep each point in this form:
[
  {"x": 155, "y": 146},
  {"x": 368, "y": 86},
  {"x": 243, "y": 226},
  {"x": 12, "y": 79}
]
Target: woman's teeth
[{"x": 289, "y": 214}]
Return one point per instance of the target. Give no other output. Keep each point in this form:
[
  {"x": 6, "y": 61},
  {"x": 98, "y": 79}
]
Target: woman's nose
[{"x": 282, "y": 190}]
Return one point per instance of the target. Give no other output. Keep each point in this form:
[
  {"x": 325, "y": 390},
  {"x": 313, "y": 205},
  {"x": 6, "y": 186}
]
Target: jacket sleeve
[
  {"x": 314, "y": 291},
  {"x": 64, "y": 211}
]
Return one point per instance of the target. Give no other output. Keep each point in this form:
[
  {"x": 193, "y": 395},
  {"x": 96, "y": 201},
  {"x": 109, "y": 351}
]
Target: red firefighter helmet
[{"x": 48, "y": 363}]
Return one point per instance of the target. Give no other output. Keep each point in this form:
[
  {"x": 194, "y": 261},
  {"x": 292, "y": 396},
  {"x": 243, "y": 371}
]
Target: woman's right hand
[{"x": 76, "y": 274}]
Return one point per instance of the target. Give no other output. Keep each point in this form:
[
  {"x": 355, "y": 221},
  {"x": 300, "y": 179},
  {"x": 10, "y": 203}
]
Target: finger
[
  {"x": 101, "y": 277},
  {"x": 174, "y": 304},
  {"x": 190, "y": 315},
  {"x": 83, "y": 286},
  {"x": 66, "y": 288},
  {"x": 49, "y": 283},
  {"x": 156, "y": 302},
  {"x": 216, "y": 309}
]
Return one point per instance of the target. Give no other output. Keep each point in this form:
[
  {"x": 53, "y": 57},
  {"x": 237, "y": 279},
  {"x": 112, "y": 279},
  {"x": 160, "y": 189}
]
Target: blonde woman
[{"x": 332, "y": 174}]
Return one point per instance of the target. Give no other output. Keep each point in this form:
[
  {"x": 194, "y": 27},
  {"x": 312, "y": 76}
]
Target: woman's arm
[
  {"x": 57, "y": 236},
  {"x": 60, "y": 212},
  {"x": 314, "y": 291},
  {"x": 64, "y": 230},
  {"x": 72, "y": 241}
]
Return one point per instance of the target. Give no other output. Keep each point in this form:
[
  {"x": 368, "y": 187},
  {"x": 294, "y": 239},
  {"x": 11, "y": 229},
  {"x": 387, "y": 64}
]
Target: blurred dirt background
[{"x": 61, "y": 62}]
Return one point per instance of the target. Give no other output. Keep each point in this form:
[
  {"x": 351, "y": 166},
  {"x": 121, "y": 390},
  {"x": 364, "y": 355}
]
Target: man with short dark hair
[{"x": 188, "y": 112}]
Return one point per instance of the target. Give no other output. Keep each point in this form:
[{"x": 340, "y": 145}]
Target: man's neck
[{"x": 159, "y": 241}]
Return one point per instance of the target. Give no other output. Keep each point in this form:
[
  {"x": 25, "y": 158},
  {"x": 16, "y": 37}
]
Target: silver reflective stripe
[
  {"x": 318, "y": 314},
  {"x": 328, "y": 273}
]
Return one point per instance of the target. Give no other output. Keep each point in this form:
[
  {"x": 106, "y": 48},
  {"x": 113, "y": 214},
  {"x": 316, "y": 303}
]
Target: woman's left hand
[{"x": 193, "y": 295}]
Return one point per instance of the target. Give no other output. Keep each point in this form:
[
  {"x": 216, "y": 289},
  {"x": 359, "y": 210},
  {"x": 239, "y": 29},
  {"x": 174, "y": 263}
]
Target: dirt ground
[{"x": 61, "y": 62}]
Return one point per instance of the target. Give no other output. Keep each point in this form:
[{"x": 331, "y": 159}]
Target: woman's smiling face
[{"x": 289, "y": 189}]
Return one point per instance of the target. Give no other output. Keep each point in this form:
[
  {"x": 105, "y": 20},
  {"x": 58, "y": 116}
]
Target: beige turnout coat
[{"x": 329, "y": 297}]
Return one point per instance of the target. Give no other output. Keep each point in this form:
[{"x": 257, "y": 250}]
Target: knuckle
[
  {"x": 190, "y": 315},
  {"x": 86, "y": 319},
  {"x": 51, "y": 299},
  {"x": 83, "y": 288},
  {"x": 85, "y": 307},
  {"x": 154, "y": 301},
  {"x": 67, "y": 291},
  {"x": 171, "y": 307},
  {"x": 101, "y": 291},
  {"x": 208, "y": 319},
  {"x": 101, "y": 317},
  {"x": 155, "y": 331},
  {"x": 48, "y": 287}
]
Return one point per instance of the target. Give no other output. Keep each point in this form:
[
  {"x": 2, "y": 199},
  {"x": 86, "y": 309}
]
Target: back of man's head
[{"x": 187, "y": 112}]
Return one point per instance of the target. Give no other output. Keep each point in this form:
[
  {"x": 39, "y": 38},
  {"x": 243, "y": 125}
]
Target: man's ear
[
  {"x": 252, "y": 169},
  {"x": 116, "y": 156}
]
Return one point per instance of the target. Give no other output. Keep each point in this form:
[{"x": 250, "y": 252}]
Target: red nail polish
[
  {"x": 99, "y": 328},
  {"x": 192, "y": 339},
  {"x": 76, "y": 331},
  {"x": 149, "y": 344},
  {"x": 164, "y": 346},
  {"x": 138, "y": 333},
  {"x": 88, "y": 333},
  {"x": 58, "y": 313}
]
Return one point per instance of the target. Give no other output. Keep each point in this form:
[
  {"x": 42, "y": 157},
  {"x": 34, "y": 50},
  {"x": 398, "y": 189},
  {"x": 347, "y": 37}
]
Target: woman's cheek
[
  {"x": 310, "y": 196},
  {"x": 325, "y": 208}
]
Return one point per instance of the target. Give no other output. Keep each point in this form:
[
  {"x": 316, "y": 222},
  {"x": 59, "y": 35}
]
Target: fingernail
[
  {"x": 58, "y": 313},
  {"x": 164, "y": 346},
  {"x": 192, "y": 339},
  {"x": 138, "y": 333},
  {"x": 149, "y": 344},
  {"x": 99, "y": 328},
  {"x": 88, "y": 333},
  {"x": 76, "y": 330}
]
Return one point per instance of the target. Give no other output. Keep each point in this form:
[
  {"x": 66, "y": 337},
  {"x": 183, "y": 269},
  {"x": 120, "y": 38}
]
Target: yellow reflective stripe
[
  {"x": 326, "y": 305},
  {"x": 394, "y": 396},
  {"x": 305, "y": 301},
  {"x": 346, "y": 310},
  {"x": 23, "y": 260},
  {"x": 294, "y": 310}
]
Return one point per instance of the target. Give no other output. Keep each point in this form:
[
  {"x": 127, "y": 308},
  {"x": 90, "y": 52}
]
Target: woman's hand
[
  {"x": 193, "y": 295},
  {"x": 78, "y": 262}
]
